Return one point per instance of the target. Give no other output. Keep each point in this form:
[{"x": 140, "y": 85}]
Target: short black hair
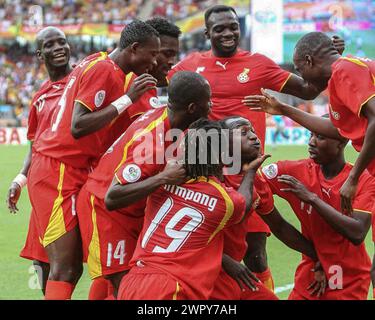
[
  {"x": 164, "y": 27},
  {"x": 217, "y": 9},
  {"x": 233, "y": 122},
  {"x": 313, "y": 43},
  {"x": 186, "y": 87},
  {"x": 136, "y": 31},
  {"x": 200, "y": 136}
]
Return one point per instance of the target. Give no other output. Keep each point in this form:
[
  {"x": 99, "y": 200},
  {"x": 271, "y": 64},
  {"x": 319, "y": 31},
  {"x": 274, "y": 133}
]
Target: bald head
[
  {"x": 314, "y": 44},
  {"x": 46, "y": 33}
]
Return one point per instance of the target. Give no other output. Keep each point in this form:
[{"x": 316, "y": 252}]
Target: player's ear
[
  {"x": 206, "y": 33},
  {"x": 134, "y": 47},
  {"x": 309, "y": 60},
  {"x": 39, "y": 55},
  {"x": 191, "y": 108}
]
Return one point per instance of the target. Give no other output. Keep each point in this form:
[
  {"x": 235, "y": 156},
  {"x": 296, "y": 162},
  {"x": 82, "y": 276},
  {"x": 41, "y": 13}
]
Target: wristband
[
  {"x": 122, "y": 103},
  {"x": 20, "y": 179}
]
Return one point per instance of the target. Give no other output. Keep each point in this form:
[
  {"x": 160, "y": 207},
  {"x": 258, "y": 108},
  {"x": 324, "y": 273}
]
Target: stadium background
[{"x": 93, "y": 25}]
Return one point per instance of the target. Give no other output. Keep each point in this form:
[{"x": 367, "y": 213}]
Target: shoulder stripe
[
  {"x": 228, "y": 202},
  {"x": 149, "y": 128},
  {"x": 361, "y": 106},
  {"x": 286, "y": 80},
  {"x": 356, "y": 61},
  {"x": 103, "y": 56},
  {"x": 128, "y": 80}
]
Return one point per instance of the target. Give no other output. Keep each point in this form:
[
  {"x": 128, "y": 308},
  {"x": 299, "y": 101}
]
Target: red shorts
[
  {"x": 33, "y": 249},
  {"x": 256, "y": 224},
  {"x": 53, "y": 187},
  {"x": 145, "y": 283},
  {"x": 108, "y": 238},
  {"x": 226, "y": 288}
]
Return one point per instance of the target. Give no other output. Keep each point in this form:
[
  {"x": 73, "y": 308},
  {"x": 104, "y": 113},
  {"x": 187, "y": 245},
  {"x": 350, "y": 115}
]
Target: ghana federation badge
[{"x": 243, "y": 77}]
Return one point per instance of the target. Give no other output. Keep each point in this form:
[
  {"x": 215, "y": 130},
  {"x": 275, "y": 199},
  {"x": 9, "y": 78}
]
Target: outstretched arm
[{"x": 269, "y": 104}]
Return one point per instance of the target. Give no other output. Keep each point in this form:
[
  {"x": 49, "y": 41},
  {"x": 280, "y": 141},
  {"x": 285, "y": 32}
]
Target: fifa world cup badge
[{"x": 243, "y": 77}]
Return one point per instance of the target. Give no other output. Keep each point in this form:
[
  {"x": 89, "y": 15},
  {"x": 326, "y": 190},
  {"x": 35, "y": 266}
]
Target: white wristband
[
  {"x": 122, "y": 103},
  {"x": 21, "y": 180}
]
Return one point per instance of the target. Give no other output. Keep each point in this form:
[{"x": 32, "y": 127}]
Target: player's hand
[
  {"x": 240, "y": 273},
  {"x": 14, "y": 193},
  {"x": 339, "y": 44},
  {"x": 296, "y": 187},
  {"x": 140, "y": 85},
  {"x": 319, "y": 285},
  {"x": 347, "y": 193},
  {"x": 263, "y": 103},
  {"x": 174, "y": 173},
  {"x": 256, "y": 163}
]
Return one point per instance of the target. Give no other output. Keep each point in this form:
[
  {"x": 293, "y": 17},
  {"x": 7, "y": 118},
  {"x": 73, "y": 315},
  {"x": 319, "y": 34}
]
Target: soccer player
[
  {"x": 167, "y": 57},
  {"x": 235, "y": 281},
  {"x": 54, "y": 51},
  {"x": 311, "y": 187},
  {"x": 92, "y": 112},
  {"x": 233, "y": 74},
  {"x": 351, "y": 87},
  {"x": 111, "y": 204},
  {"x": 179, "y": 252}
]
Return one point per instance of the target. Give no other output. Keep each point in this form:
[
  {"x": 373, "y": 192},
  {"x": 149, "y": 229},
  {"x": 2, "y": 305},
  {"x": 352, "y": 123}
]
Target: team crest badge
[
  {"x": 155, "y": 102},
  {"x": 131, "y": 173},
  {"x": 243, "y": 77},
  {"x": 270, "y": 171},
  {"x": 99, "y": 98}
]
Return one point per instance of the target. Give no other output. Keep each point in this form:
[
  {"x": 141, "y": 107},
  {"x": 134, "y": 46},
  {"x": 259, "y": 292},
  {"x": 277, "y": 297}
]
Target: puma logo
[
  {"x": 224, "y": 66},
  {"x": 327, "y": 192}
]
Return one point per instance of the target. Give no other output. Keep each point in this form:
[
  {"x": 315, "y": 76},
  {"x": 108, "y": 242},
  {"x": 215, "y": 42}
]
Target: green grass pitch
[{"x": 16, "y": 274}]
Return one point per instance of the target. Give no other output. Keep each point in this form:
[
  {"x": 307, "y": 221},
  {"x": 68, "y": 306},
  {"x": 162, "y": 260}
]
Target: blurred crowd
[{"x": 69, "y": 11}]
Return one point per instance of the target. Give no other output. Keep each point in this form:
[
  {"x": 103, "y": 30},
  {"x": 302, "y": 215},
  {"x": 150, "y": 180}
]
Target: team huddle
[{"x": 151, "y": 223}]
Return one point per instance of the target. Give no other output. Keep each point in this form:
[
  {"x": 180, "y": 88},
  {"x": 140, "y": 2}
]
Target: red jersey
[
  {"x": 120, "y": 160},
  {"x": 233, "y": 78},
  {"x": 235, "y": 244},
  {"x": 95, "y": 83},
  {"x": 351, "y": 86},
  {"x": 181, "y": 235},
  {"x": 42, "y": 107},
  {"x": 333, "y": 249}
]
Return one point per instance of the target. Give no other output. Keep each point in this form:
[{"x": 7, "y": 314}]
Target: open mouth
[
  {"x": 256, "y": 145},
  {"x": 59, "y": 57},
  {"x": 312, "y": 152},
  {"x": 228, "y": 43}
]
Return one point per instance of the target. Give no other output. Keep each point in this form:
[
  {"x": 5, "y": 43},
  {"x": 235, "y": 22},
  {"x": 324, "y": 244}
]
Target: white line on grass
[{"x": 284, "y": 288}]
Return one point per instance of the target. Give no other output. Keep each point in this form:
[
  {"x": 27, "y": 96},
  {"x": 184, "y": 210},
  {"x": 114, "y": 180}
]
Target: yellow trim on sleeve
[
  {"x": 361, "y": 106},
  {"x": 228, "y": 203},
  {"x": 137, "y": 114},
  {"x": 128, "y": 77},
  {"x": 84, "y": 104},
  {"x": 56, "y": 225},
  {"x": 93, "y": 260},
  {"x": 356, "y": 61},
  {"x": 286, "y": 80},
  {"x": 149, "y": 128},
  {"x": 364, "y": 211},
  {"x": 177, "y": 291},
  {"x": 117, "y": 178}
]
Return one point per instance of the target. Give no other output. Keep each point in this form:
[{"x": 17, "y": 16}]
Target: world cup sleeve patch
[
  {"x": 99, "y": 98},
  {"x": 270, "y": 171},
  {"x": 131, "y": 173}
]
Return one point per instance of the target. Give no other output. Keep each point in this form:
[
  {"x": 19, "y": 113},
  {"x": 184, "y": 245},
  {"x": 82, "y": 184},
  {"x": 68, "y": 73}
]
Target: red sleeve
[
  {"x": 354, "y": 84},
  {"x": 32, "y": 123},
  {"x": 364, "y": 199},
  {"x": 265, "y": 204},
  {"x": 270, "y": 174},
  {"x": 95, "y": 86},
  {"x": 139, "y": 164},
  {"x": 274, "y": 77},
  {"x": 186, "y": 64}
]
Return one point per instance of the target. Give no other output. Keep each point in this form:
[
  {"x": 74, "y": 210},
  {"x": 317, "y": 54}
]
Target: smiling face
[
  {"x": 223, "y": 30},
  {"x": 53, "y": 48},
  {"x": 144, "y": 55}
]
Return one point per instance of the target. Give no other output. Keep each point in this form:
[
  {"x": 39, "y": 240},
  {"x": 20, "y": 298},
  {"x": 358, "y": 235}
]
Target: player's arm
[
  {"x": 85, "y": 121},
  {"x": 366, "y": 155},
  {"x": 288, "y": 234},
  {"x": 18, "y": 183},
  {"x": 122, "y": 195},
  {"x": 246, "y": 187},
  {"x": 268, "y": 103},
  {"x": 354, "y": 227}
]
